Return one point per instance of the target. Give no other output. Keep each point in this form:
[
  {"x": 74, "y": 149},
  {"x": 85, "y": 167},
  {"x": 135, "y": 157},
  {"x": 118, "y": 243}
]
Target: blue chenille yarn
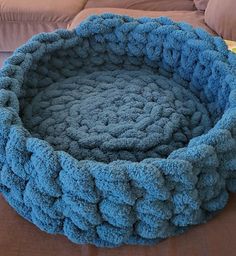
[{"x": 121, "y": 131}]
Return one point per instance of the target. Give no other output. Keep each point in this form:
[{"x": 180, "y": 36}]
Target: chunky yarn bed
[{"x": 122, "y": 131}]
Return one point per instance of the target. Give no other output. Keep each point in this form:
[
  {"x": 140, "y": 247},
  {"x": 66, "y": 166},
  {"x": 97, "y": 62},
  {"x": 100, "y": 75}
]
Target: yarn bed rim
[{"x": 133, "y": 190}]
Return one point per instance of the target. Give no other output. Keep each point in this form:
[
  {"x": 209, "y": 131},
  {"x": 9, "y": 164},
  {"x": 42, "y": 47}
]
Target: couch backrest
[{"x": 147, "y": 5}]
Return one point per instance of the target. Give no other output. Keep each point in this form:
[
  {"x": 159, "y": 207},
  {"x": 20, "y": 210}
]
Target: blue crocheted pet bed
[{"x": 121, "y": 131}]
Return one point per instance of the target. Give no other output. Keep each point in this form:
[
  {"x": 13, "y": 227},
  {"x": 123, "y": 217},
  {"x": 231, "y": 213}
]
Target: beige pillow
[
  {"x": 201, "y": 4},
  {"x": 221, "y": 17}
]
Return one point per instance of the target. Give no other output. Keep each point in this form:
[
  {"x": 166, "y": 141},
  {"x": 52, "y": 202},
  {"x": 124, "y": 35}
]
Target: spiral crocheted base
[
  {"x": 118, "y": 115},
  {"x": 122, "y": 131}
]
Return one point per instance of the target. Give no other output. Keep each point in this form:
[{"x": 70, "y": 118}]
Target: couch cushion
[
  {"x": 201, "y": 4},
  {"x": 19, "y": 20},
  {"x": 147, "y": 5},
  {"x": 221, "y": 17},
  {"x": 196, "y": 18}
]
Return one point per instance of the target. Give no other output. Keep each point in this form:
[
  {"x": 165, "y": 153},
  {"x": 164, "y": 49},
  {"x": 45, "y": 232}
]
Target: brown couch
[{"x": 21, "y": 19}]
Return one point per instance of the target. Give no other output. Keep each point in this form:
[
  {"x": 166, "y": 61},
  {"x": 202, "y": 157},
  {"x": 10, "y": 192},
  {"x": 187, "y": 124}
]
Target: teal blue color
[{"x": 121, "y": 131}]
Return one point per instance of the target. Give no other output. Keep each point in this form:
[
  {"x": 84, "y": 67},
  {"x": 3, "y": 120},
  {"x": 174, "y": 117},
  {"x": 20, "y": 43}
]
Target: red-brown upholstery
[
  {"x": 20, "y": 19},
  {"x": 221, "y": 17},
  {"x": 147, "y": 5},
  {"x": 196, "y": 18}
]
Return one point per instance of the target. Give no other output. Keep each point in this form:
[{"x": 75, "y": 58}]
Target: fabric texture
[
  {"x": 122, "y": 201},
  {"x": 4, "y": 56},
  {"x": 147, "y": 5},
  {"x": 40, "y": 11},
  {"x": 221, "y": 18},
  {"x": 195, "y": 18},
  {"x": 201, "y": 4},
  {"x": 20, "y": 20},
  {"x": 14, "y": 34}
]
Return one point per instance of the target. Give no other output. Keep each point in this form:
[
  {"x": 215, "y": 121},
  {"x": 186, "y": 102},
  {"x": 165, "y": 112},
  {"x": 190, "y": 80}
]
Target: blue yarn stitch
[{"x": 119, "y": 132}]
